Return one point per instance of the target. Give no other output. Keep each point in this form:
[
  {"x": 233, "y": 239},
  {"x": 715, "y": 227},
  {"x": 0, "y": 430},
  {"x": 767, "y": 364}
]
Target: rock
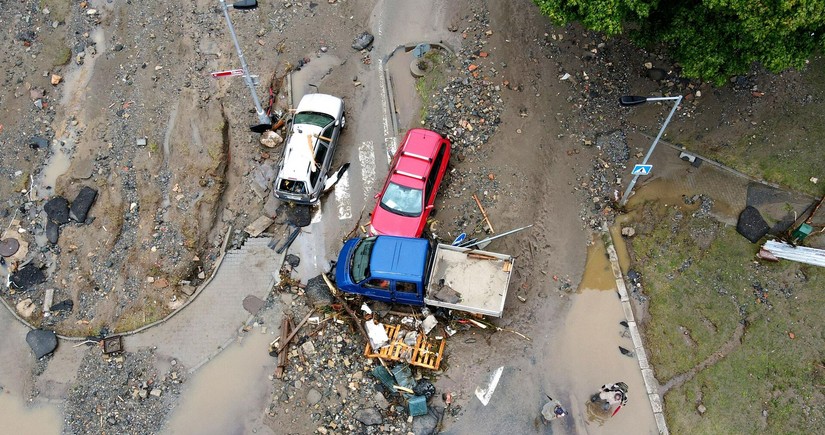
[
  {"x": 369, "y": 416},
  {"x": 702, "y": 409},
  {"x": 37, "y": 142},
  {"x": 25, "y": 308},
  {"x": 270, "y": 139},
  {"x": 143, "y": 394},
  {"x": 57, "y": 209},
  {"x": 751, "y": 225},
  {"x": 27, "y": 277},
  {"x": 156, "y": 392},
  {"x": 308, "y": 348},
  {"x": 317, "y": 292},
  {"x": 292, "y": 260},
  {"x": 66, "y": 305},
  {"x": 380, "y": 400},
  {"x": 82, "y": 203},
  {"x": 628, "y": 231},
  {"x": 363, "y": 41},
  {"x": 42, "y": 342},
  {"x": 253, "y": 304},
  {"x": 55, "y": 80},
  {"x": 425, "y": 424},
  {"x": 52, "y": 231},
  {"x": 313, "y": 397}
]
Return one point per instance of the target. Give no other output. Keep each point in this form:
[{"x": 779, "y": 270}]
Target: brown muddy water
[
  {"x": 228, "y": 395},
  {"x": 19, "y": 418},
  {"x": 590, "y": 345}
]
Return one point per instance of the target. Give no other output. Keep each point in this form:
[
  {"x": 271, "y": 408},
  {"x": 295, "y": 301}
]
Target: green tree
[{"x": 711, "y": 39}]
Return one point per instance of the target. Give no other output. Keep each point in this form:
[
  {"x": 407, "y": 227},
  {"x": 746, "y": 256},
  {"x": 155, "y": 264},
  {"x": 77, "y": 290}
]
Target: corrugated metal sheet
[{"x": 801, "y": 254}]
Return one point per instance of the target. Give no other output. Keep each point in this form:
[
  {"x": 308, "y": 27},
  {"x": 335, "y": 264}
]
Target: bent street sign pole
[{"x": 677, "y": 99}]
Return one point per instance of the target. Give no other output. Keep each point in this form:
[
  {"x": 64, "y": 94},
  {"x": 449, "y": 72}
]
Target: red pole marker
[
  {"x": 617, "y": 410},
  {"x": 228, "y": 73}
]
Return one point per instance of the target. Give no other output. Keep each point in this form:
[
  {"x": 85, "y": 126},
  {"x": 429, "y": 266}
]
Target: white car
[{"x": 310, "y": 145}]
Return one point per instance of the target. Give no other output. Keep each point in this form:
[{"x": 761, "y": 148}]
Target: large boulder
[
  {"x": 751, "y": 225},
  {"x": 42, "y": 342},
  {"x": 82, "y": 203},
  {"x": 57, "y": 209}
]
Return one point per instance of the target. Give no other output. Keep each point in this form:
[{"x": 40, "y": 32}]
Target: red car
[{"x": 408, "y": 195}]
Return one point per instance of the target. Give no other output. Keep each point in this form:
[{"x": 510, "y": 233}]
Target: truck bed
[{"x": 469, "y": 280}]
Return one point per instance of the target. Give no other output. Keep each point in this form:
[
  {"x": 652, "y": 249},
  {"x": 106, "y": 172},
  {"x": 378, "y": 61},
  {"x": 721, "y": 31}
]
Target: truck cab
[{"x": 386, "y": 268}]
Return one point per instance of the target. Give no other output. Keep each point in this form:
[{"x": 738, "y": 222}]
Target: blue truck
[{"x": 416, "y": 271}]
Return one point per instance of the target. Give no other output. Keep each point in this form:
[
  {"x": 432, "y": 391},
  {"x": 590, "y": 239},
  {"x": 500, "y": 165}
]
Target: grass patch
[
  {"x": 429, "y": 84},
  {"x": 701, "y": 281}
]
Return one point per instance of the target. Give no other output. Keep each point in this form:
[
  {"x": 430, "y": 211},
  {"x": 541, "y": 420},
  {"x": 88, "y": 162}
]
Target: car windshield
[
  {"x": 313, "y": 118},
  {"x": 402, "y": 200},
  {"x": 361, "y": 259}
]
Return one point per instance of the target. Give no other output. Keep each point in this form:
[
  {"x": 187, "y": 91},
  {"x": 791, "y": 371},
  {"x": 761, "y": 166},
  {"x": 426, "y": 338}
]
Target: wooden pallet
[{"x": 426, "y": 353}]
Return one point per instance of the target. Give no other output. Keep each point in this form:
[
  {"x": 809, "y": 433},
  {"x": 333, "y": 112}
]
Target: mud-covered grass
[
  {"x": 702, "y": 280},
  {"x": 784, "y": 146},
  {"x": 434, "y": 79}
]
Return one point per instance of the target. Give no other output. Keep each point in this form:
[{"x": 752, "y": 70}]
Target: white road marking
[
  {"x": 342, "y": 197},
  {"x": 484, "y": 394},
  {"x": 366, "y": 155}
]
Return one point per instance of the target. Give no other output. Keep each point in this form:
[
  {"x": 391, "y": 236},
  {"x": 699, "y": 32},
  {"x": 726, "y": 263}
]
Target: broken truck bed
[{"x": 469, "y": 280}]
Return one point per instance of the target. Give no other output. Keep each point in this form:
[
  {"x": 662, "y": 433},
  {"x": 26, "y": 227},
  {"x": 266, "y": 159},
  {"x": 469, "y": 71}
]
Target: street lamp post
[
  {"x": 265, "y": 121},
  {"x": 634, "y": 100}
]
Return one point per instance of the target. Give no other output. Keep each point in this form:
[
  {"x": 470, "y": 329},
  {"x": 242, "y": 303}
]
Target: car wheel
[{"x": 343, "y": 122}]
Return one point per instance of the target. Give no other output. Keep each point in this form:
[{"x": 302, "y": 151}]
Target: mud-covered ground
[{"x": 168, "y": 151}]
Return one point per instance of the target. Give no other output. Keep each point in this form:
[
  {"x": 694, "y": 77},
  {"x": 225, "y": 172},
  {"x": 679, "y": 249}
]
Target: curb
[{"x": 651, "y": 384}]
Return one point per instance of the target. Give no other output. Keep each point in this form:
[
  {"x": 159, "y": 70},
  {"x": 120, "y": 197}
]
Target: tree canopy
[{"x": 711, "y": 39}]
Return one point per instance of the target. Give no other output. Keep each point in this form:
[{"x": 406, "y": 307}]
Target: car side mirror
[
  {"x": 430, "y": 207},
  {"x": 376, "y": 195}
]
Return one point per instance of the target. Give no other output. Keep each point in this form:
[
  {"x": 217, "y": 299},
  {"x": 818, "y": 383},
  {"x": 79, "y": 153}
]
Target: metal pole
[
  {"x": 262, "y": 118},
  {"x": 655, "y": 141}
]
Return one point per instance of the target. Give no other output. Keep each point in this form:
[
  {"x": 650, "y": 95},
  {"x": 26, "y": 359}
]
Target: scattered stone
[
  {"x": 317, "y": 292},
  {"x": 270, "y": 139},
  {"x": 42, "y": 342},
  {"x": 156, "y": 392},
  {"x": 313, "y": 397},
  {"x": 52, "y": 232},
  {"x": 66, "y": 305},
  {"x": 369, "y": 417},
  {"x": 82, "y": 203},
  {"x": 55, "y": 80},
  {"x": 308, "y": 348},
  {"x": 363, "y": 41},
  {"x": 57, "y": 210},
  {"x": 37, "y": 142},
  {"x": 27, "y": 277},
  {"x": 292, "y": 260},
  {"x": 25, "y": 308},
  {"x": 628, "y": 231}
]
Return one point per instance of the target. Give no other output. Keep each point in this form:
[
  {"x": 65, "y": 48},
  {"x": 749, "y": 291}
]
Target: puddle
[
  {"x": 229, "y": 394},
  {"x": 597, "y": 272},
  {"x": 590, "y": 345},
  {"x": 58, "y": 163},
  {"x": 18, "y": 418}
]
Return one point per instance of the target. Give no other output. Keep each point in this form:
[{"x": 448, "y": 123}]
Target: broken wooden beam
[{"x": 484, "y": 213}]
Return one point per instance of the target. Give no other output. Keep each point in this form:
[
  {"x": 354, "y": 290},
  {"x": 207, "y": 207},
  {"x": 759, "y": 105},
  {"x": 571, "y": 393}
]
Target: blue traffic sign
[{"x": 642, "y": 169}]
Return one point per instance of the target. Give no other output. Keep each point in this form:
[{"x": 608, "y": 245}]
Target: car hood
[
  {"x": 321, "y": 103},
  {"x": 391, "y": 224}
]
